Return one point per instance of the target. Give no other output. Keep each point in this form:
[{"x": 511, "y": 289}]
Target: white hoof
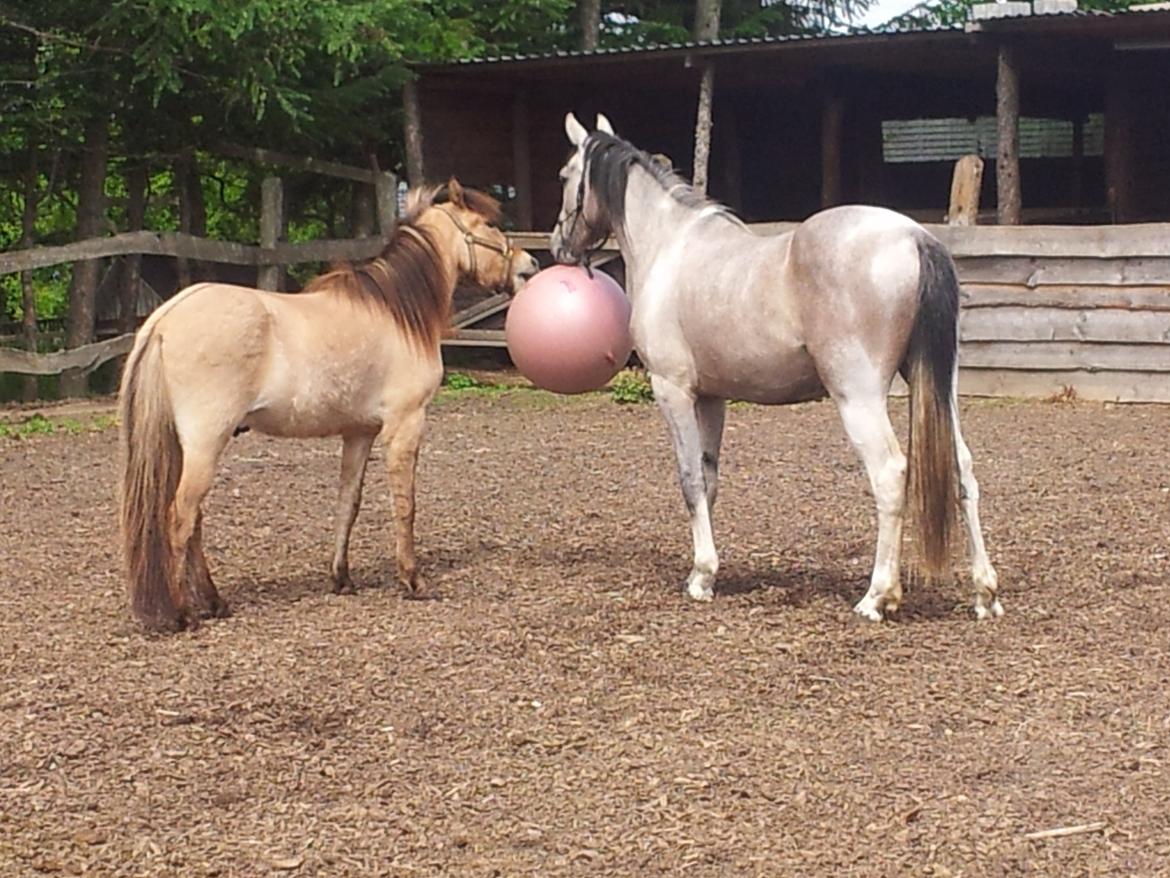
[
  {"x": 700, "y": 592},
  {"x": 866, "y": 608},
  {"x": 982, "y": 611}
]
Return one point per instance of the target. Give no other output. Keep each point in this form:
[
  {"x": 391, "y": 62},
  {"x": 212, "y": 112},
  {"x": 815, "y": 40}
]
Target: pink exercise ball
[{"x": 569, "y": 332}]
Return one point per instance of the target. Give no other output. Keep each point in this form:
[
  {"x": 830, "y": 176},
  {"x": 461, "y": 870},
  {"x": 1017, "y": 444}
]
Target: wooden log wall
[{"x": 1048, "y": 310}]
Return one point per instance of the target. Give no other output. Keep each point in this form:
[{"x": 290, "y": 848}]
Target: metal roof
[{"x": 719, "y": 46}]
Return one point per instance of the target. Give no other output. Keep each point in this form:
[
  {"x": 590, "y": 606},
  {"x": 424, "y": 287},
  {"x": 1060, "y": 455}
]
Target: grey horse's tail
[{"x": 932, "y": 487}]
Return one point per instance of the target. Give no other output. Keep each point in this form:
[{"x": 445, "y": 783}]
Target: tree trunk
[
  {"x": 182, "y": 171},
  {"x": 28, "y": 291},
  {"x": 363, "y": 211},
  {"x": 136, "y": 183},
  {"x": 1007, "y": 159},
  {"x": 415, "y": 169},
  {"x": 91, "y": 219},
  {"x": 590, "y": 14},
  {"x": 707, "y": 14},
  {"x": 192, "y": 216}
]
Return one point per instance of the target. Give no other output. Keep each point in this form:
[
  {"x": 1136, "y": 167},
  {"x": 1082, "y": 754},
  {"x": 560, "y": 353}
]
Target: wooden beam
[
  {"x": 481, "y": 310},
  {"x": 270, "y": 276},
  {"x": 522, "y": 160},
  {"x": 832, "y": 141},
  {"x": 412, "y": 131},
  {"x": 1007, "y": 159},
  {"x": 297, "y": 163},
  {"x": 179, "y": 245},
  {"x": 84, "y": 359},
  {"x": 1119, "y": 119},
  {"x": 386, "y": 195}
]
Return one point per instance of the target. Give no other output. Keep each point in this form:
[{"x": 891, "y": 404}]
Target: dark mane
[{"x": 608, "y": 160}]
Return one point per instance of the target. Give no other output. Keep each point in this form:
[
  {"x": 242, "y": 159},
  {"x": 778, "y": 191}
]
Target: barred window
[{"x": 943, "y": 140}]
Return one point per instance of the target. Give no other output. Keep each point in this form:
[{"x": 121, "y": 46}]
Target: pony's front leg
[
  {"x": 402, "y": 442},
  {"x": 678, "y": 405},
  {"x": 355, "y": 454}
]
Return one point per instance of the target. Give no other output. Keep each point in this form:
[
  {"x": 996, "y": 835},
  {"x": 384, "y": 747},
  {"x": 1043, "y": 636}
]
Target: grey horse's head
[{"x": 583, "y": 221}]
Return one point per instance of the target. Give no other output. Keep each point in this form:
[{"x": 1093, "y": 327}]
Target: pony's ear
[
  {"x": 603, "y": 124},
  {"x": 575, "y": 130},
  {"x": 455, "y": 193}
]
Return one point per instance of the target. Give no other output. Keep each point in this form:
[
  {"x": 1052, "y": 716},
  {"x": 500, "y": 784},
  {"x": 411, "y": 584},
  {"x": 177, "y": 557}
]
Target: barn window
[{"x": 946, "y": 140}]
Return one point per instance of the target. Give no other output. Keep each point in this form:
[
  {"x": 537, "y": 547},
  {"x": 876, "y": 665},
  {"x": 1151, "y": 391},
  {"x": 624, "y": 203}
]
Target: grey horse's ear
[
  {"x": 603, "y": 124},
  {"x": 575, "y": 130}
]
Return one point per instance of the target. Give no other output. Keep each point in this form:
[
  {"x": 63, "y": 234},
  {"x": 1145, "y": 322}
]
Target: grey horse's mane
[{"x": 608, "y": 161}]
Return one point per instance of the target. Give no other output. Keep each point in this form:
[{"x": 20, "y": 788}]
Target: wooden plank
[
  {"x": 85, "y": 358},
  {"x": 1075, "y": 296},
  {"x": 299, "y": 163},
  {"x": 476, "y": 338},
  {"x": 1034, "y": 272},
  {"x": 481, "y": 310},
  {"x": 1065, "y": 355},
  {"x": 386, "y": 195},
  {"x": 1065, "y": 324},
  {"x": 1099, "y": 386},
  {"x": 1087, "y": 242},
  {"x": 413, "y": 135},
  {"x": 181, "y": 245}
]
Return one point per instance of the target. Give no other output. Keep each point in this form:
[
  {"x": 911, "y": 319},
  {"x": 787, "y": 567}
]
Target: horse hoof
[
  {"x": 344, "y": 586},
  {"x": 868, "y": 610},
  {"x": 704, "y": 594},
  {"x": 982, "y": 611}
]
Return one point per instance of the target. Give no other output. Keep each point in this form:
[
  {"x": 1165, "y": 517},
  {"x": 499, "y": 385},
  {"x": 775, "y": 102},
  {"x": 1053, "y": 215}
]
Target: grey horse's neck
[{"x": 656, "y": 220}]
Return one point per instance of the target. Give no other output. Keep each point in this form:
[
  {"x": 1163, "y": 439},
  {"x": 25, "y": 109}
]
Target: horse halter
[
  {"x": 578, "y": 215},
  {"x": 506, "y": 250}
]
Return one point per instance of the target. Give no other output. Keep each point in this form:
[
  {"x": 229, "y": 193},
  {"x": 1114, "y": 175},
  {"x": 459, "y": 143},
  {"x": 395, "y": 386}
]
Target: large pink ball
[{"x": 567, "y": 332}]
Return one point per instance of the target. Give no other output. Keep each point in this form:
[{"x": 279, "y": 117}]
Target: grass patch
[{"x": 40, "y": 425}]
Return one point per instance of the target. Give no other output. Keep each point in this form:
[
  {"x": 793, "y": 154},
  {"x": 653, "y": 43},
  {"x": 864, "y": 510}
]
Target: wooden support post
[
  {"x": 1007, "y": 159},
  {"x": 1077, "y": 195},
  {"x": 1119, "y": 146},
  {"x": 271, "y": 230},
  {"x": 703, "y": 123},
  {"x": 386, "y": 194},
  {"x": 415, "y": 168},
  {"x": 28, "y": 290},
  {"x": 965, "y": 185},
  {"x": 832, "y": 136},
  {"x": 522, "y": 161}
]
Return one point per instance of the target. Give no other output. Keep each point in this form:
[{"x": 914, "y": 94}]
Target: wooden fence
[{"x": 1046, "y": 309}]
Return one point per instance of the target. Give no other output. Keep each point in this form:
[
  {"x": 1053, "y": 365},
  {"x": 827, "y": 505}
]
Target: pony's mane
[
  {"x": 408, "y": 279},
  {"x": 608, "y": 161}
]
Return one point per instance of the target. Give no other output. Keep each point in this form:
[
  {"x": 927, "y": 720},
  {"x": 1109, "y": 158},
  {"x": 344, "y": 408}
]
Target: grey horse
[{"x": 837, "y": 307}]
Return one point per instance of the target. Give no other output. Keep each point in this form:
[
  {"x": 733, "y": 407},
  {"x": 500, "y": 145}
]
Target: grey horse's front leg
[{"x": 678, "y": 405}]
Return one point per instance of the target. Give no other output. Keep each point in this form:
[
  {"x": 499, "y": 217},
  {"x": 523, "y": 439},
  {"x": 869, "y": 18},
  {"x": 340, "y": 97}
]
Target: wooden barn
[
  {"x": 1065, "y": 269},
  {"x": 802, "y": 123}
]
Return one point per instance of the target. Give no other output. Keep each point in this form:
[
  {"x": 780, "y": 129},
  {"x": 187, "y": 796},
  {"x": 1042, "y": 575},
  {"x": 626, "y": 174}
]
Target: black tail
[{"x": 932, "y": 490}]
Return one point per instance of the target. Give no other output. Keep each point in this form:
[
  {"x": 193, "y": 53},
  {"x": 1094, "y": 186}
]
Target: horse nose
[{"x": 526, "y": 267}]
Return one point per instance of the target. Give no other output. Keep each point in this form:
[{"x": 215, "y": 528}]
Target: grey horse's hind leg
[
  {"x": 681, "y": 411},
  {"x": 987, "y": 605},
  {"x": 867, "y": 422}
]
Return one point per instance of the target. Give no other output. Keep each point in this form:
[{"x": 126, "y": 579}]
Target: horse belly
[{"x": 768, "y": 377}]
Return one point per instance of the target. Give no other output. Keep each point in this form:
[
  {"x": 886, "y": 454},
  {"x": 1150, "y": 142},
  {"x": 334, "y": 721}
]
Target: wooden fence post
[
  {"x": 832, "y": 136},
  {"x": 415, "y": 167},
  {"x": 271, "y": 229},
  {"x": 965, "y": 185},
  {"x": 386, "y": 194}
]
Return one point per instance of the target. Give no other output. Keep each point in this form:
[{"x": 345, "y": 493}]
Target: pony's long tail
[
  {"x": 932, "y": 489},
  {"x": 152, "y": 463}
]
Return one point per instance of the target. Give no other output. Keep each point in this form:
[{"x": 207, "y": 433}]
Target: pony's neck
[{"x": 448, "y": 240}]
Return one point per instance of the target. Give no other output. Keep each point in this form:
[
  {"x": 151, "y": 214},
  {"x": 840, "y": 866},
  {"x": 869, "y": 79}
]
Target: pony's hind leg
[
  {"x": 402, "y": 441},
  {"x": 682, "y": 417},
  {"x": 207, "y": 599},
  {"x": 198, "y": 472},
  {"x": 355, "y": 454},
  {"x": 710, "y": 412},
  {"x": 987, "y": 605},
  {"x": 867, "y": 423}
]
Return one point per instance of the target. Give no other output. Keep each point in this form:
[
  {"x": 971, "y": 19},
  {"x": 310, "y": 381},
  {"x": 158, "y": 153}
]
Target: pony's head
[
  {"x": 584, "y": 221},
  {"x": 485, "y": 256}
]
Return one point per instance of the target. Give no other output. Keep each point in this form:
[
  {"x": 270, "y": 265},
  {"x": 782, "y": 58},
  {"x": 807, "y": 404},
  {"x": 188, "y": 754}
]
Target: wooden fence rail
[{"x": 1045, "y": 309}]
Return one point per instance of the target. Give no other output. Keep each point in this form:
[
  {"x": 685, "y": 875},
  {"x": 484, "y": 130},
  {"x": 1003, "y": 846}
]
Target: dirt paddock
[{"x": 555, "y": 705}]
